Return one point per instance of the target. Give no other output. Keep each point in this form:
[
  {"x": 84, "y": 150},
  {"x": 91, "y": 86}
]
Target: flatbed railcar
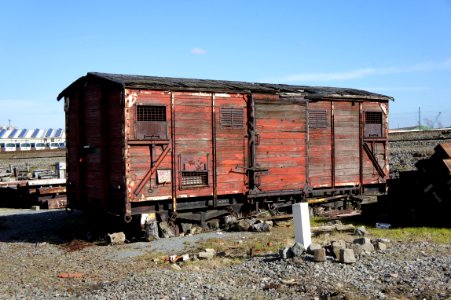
[{"x": 192, "y": 149}]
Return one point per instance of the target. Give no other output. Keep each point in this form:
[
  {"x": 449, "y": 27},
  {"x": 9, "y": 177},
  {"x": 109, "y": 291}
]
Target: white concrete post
[{"x": 301, "y": 219}]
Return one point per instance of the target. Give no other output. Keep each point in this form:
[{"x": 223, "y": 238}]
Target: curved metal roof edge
[
  {"x": 206, "y": 85},
  {"x": 23, "y": 133}
]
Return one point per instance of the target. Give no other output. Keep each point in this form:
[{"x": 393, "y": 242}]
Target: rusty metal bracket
[
  {"x": 151, "y": 171},
  {"x": 374, "y": 160}
]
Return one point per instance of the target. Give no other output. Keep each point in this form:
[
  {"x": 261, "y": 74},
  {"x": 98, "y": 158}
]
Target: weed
[
  {"x": 414, "y": 234},
  {"x": 318, "y": 221},
  {"x": 214, "y": 243}
]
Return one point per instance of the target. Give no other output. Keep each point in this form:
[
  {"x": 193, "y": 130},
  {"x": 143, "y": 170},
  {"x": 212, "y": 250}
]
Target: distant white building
[{"x": 51, "y": 138}]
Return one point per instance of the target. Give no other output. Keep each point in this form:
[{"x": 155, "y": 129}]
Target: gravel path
[
  {"x": 423, "y": 272},
  {"x": 31, "y": 265}
]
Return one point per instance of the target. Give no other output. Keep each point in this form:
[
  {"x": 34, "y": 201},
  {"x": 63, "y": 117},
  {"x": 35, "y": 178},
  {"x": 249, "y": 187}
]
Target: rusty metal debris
[
  {"x": 436, "y": 174},
  {"x": 422, "y": 197},
  {"x": 46, "y": 193}
]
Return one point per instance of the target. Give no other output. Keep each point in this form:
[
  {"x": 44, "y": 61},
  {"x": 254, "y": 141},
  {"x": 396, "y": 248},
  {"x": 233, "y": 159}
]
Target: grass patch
[
  {"x": 414, "y": 234},
  {"x": 214, "y": 243},
  {"x": 210, "y": 264},
  {"x": 318, "y": 221},
  {"x": 261, "y": 243},
  {"x": 404, "y": 234},
  {"x": 149, "y": 261}
]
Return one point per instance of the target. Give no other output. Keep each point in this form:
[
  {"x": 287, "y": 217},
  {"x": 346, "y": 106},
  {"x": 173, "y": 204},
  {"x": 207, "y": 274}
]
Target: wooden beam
[{"x": 151, "y": 171}]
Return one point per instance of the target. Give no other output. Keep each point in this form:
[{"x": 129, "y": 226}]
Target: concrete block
[
  {"x": 301, "y": 219},
  {"x": 347, "y": 256}
]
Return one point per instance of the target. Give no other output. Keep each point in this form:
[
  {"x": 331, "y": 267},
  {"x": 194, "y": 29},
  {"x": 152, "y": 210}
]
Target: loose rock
[
  {"x": 357, "y": 249},
  {"x": 244, "y": 224},
  {"x": 229, "y": 220},
  {"x": 116, "y": 238},
  {"x": 365, "y": 244},
  {"x": 195, "y": 229},
  {"x": 207, "y": 254},
  {"x": 151, "y": 231},
  {"x": 213, "y": 224},
  {"x": 319, "y": 255},
  {"x": 264, "y": 226},
  {"x": 380, "y": 246},
  {"x": 186, "y": 228},
  {"x": 347, "y": 256},
  {"x": 285, "y": 253},
  {"x": 313, "y": 247},
  {"x": 337, "y": 246},
  {"x": 297, "y": 249},
  {"x": 361, "y": 230},
  {"x": 165, "y": 230}
]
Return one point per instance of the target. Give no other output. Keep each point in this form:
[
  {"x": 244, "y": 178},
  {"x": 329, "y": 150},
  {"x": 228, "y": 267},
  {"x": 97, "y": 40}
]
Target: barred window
[
  {"x": 194, "y": 178},
  {"x": 151, "y": 113},
  {"x": 317, "y": 119},
  {"x": 373, "y": 125},
  {"x": 151, "y": 122},
  {"x": 372, "y": 117},
  {"x": 231, "y": 117},
  {"x": 193, "y": 170}
]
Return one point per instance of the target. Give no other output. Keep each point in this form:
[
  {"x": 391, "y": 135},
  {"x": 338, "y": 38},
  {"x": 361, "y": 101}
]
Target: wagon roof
[{"x": 205, "y": 85}]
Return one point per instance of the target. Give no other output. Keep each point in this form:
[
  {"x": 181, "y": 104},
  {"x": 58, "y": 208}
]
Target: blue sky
[{"x": 398, "y": 48}]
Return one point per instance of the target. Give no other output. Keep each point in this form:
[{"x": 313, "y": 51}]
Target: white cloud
[
  {"x": 364, "y": 72},
  {"x": 430, "y": 66},
  {"x": 198, "y": 51}
]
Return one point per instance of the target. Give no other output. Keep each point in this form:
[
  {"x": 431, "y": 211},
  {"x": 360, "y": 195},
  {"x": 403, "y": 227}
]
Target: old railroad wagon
[{"x": 192, "y": 149}]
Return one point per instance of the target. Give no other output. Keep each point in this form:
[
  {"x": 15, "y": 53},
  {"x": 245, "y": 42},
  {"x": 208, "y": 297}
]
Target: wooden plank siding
[
  {"x": 138, "y": 157},
  {"x": 92, "y": 145},
  {"x": 347, "y": 140},
  {"x": 193, "y": 137},
  {"x": 90, "y": 132},
  {"x": 280, "y": 149},
  {"x": 379, "y": 147},
  {"x": 231, "y": 147},
  {"x": 73, "y": 190},
  {"x": 320, "y": 148},
  {"x": 110, "y": 154}
]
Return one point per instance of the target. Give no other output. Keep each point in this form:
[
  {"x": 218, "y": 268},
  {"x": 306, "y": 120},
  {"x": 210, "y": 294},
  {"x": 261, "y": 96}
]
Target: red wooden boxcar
[{"x": 198, "y": 148}]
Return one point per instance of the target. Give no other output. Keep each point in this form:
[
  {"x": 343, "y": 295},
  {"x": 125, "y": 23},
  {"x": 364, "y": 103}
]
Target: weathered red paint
[{"x": 107, "y": 163}]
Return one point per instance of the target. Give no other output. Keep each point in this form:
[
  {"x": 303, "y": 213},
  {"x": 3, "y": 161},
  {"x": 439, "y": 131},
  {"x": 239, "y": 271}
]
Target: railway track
[{"x": 417, "y": 136}]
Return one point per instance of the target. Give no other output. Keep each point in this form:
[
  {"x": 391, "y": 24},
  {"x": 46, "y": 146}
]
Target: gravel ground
[
  {"x": 33, "y": 252},
  {"x": 36, "y": 247},
  {"x": 423, "y": 272},
  {"x": 406, "y": 148}
]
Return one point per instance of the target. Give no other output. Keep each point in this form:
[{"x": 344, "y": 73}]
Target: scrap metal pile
[
  {"x": 44, "y": 193},
  {"x": 423, "y": 196}
]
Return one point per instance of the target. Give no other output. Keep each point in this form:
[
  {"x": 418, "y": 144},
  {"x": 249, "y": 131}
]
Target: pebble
[
  {"x": 292, "y": 278},
  {"x": 404, "y": 270}
]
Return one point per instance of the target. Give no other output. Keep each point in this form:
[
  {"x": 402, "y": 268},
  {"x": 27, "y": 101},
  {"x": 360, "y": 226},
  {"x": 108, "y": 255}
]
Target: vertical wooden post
[
  {"x": 213, "y": 141},
  {"x": 307, "y": 145},
  {"x": 361, "y": 141},
  {"x": 252, "y": 144},
  {"x": 332, "y": 141},
  {"x": 173, "y": 154}
]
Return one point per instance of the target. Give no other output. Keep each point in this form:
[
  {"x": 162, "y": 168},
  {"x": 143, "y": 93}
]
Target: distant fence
[{"x": 427, "y": 119}]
